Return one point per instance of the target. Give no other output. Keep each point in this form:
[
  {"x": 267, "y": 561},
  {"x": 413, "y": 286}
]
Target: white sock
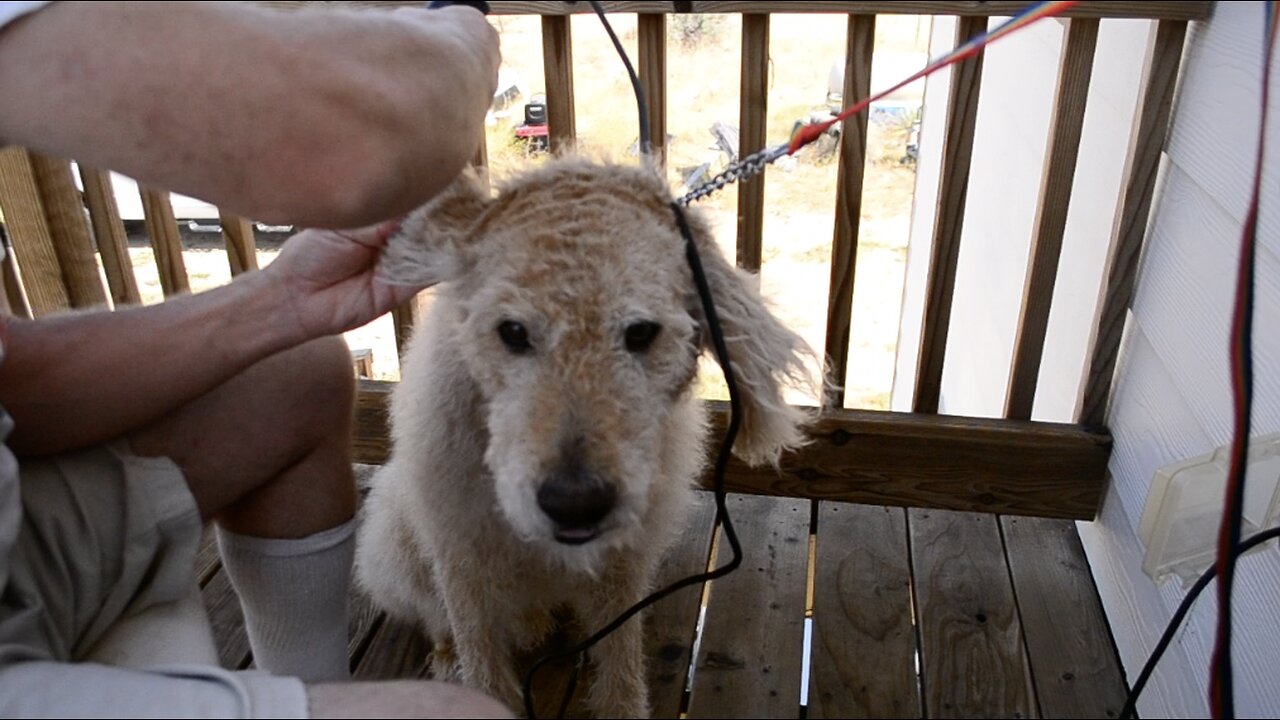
[{"x": 294, "y": 595}]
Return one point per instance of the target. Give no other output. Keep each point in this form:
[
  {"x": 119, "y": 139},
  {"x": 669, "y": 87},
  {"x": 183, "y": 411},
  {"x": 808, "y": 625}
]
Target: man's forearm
[
  {"x": 325, "y": 118},
  {"x": 83, "y": 378}
]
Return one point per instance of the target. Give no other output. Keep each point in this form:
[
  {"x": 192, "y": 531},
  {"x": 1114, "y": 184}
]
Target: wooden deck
[{"x": 915, "y": 613}]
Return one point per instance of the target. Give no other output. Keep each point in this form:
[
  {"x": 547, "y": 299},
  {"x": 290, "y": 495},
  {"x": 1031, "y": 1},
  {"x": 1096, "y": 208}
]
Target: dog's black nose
[{"x": 577, "y": 501}]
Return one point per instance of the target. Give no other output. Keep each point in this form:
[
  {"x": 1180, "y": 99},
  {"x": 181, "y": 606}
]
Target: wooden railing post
[
  {"x": 1146, "y": 142},
  {"x": 109, "y": 235},
  {"x": 166, "y": 242},
  {"x": 844, "y": 245},
  {"x": 962, "y": 117},
  {"x": 752, "y": 118},
  {"x": 557, "y": 62},
  {"x": 1065, "y": 125}
]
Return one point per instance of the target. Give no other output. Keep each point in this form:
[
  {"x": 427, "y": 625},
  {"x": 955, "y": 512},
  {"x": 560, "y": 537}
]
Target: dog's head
[{"x": 578, "y": 318}]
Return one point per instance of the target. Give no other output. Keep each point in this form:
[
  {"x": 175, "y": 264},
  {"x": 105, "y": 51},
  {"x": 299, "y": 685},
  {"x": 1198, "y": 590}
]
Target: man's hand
[{"x": 328, "y": 282}]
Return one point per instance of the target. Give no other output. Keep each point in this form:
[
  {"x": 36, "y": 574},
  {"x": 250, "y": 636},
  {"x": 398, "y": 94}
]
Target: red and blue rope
[{"x": 971, "y": 47}]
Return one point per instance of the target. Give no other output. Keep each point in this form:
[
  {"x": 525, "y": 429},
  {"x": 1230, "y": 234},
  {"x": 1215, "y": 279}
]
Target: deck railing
[{"x": 1010, "y": 465}]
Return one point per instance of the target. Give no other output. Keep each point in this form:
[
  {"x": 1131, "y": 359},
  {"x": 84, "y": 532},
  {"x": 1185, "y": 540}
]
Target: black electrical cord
[
  {"x": 1130, "y": 705},
  {"x": 722, "y": 459}
]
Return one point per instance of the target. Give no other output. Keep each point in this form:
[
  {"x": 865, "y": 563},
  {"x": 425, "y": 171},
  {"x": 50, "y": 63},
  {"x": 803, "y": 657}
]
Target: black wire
[
  {"x": 1184, "y": 607},
  {"x": 726, "y": 447},
  {"x": 646, "y": 137}
]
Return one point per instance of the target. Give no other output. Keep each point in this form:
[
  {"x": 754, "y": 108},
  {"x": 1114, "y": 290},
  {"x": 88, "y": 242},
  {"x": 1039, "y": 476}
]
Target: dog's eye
[
  {"x": 640, "y": 336},
  {"x": 514, "y": 336}
]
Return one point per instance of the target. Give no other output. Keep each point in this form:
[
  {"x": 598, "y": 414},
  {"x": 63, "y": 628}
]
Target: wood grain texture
[
  {"x": 363, "y": 621},
  {"x": 861, "y": 36},
  {"x": 652, "y": 69},
  {"x": 670, "y": 625},
  {"x": 242, "y": 246},
  {"x": 1065, "y": 125},
  {"x": 166, "y": 241},
  {"x": 227, "y": 622},
  {"x": 397, "y": 651},
  {"x": 753, "y": 639},
  {"x": 973, "y": 663},
  {"x": 403, "y": 319},
  {"x": 30, "y": 235},
  {"x": 882, "y": 458},
  {"x": 962, "y": 116},
  {"x": 752, "y": 113},
  {"x": 1128, "y": 9},
  {"x": 110, "y": 236},
  {"x": 1151, "y": 124},
  {"x": 208, "y": 560},
  {"x": 1074, "y": 664},
  {"x": 69, "y": 230},
  {"x": 557, "y": 63},
  {"x": 864, "y": 643}
]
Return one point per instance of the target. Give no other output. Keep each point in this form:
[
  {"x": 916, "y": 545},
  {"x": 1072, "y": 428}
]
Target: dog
[{"x": 545, "y": 436}]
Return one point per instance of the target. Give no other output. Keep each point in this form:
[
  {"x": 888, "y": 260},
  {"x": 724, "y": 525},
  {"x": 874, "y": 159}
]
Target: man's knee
[{"x": 320, "y": 375}]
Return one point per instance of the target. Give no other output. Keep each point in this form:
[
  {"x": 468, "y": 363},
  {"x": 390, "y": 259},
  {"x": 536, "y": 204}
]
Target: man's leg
[{"x": 267, "y": 456}]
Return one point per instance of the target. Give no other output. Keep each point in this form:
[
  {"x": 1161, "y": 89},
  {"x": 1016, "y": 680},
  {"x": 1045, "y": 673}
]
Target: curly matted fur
[{"x": 456, "y": 535}]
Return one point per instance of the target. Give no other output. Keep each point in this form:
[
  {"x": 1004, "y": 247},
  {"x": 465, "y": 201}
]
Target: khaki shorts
[{"x": 107, "y": 534}]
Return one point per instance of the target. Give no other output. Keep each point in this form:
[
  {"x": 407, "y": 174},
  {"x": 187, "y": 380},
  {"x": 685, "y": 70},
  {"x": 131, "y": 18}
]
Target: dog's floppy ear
[
  {"x": 767, "y": 356},
  {"x": 432, "y": 244}
]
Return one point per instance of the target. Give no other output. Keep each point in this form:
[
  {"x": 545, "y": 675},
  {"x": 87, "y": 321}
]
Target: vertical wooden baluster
[
  {"x": 242, "y": 246},
  {"x": 1065, "y": 125},
  {"x": 29, "y": 234},
  {"x": 557, "y": 61},
  {"x": 1146, "y": 142},
  {"x": 652, "y": 30},
  {"x": 962, "y": 115},
  {"x": 166, "y": 241},
  {"x": 752, "y": 117},
  {"x": 844, "y": 245},
  {"x": 110, "y": 236}
]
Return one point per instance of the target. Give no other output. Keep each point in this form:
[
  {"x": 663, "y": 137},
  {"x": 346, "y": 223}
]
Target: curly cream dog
[{"x": 545, "y": 436}]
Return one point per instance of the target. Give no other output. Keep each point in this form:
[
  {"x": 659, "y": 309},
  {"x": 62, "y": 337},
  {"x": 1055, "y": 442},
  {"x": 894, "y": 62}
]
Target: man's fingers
[{"x": 371, "y": 237}]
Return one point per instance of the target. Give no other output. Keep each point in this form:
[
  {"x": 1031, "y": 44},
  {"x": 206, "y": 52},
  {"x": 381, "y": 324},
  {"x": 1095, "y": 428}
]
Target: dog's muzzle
[{"x": 576, "y": 501}]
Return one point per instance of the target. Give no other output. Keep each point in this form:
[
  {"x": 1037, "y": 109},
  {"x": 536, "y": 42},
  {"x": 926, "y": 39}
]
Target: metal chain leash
[{"x": 751, "y": 165}]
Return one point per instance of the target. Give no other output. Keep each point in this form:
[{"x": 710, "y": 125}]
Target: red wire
[{"x": 1220, "y": 681}]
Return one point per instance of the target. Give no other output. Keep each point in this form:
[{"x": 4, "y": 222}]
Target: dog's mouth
[{"x": 577, "y": 535}]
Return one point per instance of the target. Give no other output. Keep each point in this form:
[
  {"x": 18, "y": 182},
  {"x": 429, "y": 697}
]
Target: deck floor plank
[
  {"x": 397, "y": 651},
  {"x": 981, "y": 655},
  {"x": 670, "y": 625},
  {"x": 227, "y": 621},
  {"x": 752, "y": 647},
  {"x": 1073, "y": 660},
  {"x": 864, "y": 643},
  {"x": 973, "y": 660}
]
